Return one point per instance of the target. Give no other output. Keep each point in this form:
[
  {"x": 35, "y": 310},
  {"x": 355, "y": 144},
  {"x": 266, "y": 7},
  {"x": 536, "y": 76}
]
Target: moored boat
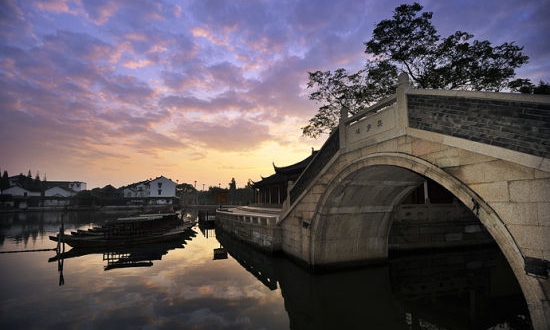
[{"x": 142, "y": 229}]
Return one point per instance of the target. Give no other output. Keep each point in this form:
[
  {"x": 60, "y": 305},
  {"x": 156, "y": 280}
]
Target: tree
[
  {"x": 542, "y": 88},
  {"x": 351, "y": 91},
  {"x": 187, "y": 194},
  {"x": 409, "y": 43},
  {"x": 184, "y": 188},
  {"x": 5, "y": 181},
  {"x": 525, "y": 86},
  {"x": 37, "y": 184}
]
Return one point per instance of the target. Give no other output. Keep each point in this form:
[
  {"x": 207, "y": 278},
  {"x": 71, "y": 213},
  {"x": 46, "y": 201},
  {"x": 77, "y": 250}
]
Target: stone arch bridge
[{"x": 490, "y": 150}]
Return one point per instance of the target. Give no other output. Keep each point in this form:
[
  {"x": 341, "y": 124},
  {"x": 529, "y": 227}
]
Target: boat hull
[{"x": 101, "y": 241}]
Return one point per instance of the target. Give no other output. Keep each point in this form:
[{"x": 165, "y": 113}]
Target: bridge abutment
[{"x": 510, "y": 200}]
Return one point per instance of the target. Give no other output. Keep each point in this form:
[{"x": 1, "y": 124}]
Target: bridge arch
[{"x": 354, "y": 216}]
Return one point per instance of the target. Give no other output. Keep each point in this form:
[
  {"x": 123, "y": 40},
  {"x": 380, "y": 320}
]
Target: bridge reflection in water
[{"x": 456, "y": 289}]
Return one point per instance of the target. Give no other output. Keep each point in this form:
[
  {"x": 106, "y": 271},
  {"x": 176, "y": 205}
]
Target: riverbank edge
[{"x": 75, "y": 209}]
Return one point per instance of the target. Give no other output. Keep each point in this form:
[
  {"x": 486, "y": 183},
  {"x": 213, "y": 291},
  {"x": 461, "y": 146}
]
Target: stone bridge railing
[
  {"x": 339, "y": 138},
  {"x": 513, "y": 121},
  {"x": 498, "y": 119},
  {"x": 382, "y": 105}
]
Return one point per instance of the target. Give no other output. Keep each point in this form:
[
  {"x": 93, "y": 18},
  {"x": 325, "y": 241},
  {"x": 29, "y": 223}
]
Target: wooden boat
[
  {"x": 141, "y": 229},
  {"x": 124, "y": 256}
]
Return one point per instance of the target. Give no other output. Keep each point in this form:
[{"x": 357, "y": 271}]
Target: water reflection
[
  {"x": 25, "y": 228},
  {"x": 185, "y": 289},
  {"x": 466, "y": 289},
  {"x": 188, "y": 286},
  {"x": 256, "y": 263},
  {"x": 460, "y": 289},
  {"x": 117, "y": 257},
  {"x": 358, "y": 299}
]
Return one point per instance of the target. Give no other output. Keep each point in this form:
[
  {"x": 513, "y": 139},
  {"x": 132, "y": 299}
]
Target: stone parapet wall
[
  {"x": 261, "y": 231},
  {"x": 512, "y": 124}
]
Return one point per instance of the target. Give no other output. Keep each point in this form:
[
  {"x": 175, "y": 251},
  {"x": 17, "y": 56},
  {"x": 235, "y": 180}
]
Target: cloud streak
[{"x": 93, "y": 82}]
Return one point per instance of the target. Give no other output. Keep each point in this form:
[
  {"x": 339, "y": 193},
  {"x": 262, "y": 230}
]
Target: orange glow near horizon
[{"x": 116, "y": 93}]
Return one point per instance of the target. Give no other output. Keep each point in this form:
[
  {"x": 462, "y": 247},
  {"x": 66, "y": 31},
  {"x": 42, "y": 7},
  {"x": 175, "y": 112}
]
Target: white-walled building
[
  {"x": 77, "y": 186},
  {"x": 20, "y": 192},
  {"x": 58, "y": 192},
  {"x": 162, "y": 187},
  {"x": 21, "y": 185},
  {"x": 160, "y": 190},
  {"x": 25, "y": 192},
  {"x": 139, "y": 190},
  {"x": 64, "y": 188}
]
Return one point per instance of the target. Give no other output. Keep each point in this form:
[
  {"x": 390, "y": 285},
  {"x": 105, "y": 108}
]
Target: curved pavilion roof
[{"x": 284, "y": 174}]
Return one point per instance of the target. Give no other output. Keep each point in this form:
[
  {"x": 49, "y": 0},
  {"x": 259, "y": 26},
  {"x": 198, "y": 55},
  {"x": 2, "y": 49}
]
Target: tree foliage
[
  {"x": 525, "y": 86},
  {"x": 4, "y": 181},
  {"x": 408, "y": 42},
  {"x": 185, "y": 188},
  {"x": 232, "y": 184},
  {"x": 338, "y": 89}
]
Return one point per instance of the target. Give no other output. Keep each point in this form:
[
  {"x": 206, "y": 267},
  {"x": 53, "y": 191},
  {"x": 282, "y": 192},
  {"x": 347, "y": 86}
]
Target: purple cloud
[
  {"x": 243, "y": 134},
  {"x": 93, "y": 80}
]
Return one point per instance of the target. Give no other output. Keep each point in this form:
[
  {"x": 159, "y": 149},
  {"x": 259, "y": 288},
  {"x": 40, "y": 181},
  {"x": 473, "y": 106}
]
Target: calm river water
[{"x": 183, "y": 286}]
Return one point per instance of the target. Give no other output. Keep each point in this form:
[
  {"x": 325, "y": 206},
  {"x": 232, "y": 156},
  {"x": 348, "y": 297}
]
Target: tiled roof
[{"x": 286, "y": 173}]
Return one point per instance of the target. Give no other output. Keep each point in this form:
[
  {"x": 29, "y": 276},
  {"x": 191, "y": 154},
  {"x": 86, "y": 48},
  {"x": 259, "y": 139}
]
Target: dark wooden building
[{"x": 272, "y": 189}]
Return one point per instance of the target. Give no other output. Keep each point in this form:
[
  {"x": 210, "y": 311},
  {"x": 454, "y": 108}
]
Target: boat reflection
[{"x": 123, "y": 256}]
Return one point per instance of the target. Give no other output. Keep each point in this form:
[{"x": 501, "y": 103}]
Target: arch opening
[
  {"x": 432, "y": 217},
  {"x": 445, "y": 266},
  {"x": 380, "y": 208},
  {"x": 355, "y": 217}
]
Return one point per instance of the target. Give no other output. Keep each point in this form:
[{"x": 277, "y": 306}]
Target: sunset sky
[{"x": 115, "y": 92}]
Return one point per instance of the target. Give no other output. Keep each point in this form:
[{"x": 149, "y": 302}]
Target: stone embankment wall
[
  {"x": 259, "y": 230},
  {"x": 422, "y": 226}
]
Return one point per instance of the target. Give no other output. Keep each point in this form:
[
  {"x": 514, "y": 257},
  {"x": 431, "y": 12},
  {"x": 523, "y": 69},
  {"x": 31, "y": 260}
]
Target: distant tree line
[
  {"x": 25, "y": 181},
  {"x": 232, "y": 195},
  {"x": 108, "y": 195},
  {"x": 186, "y": 194}
]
